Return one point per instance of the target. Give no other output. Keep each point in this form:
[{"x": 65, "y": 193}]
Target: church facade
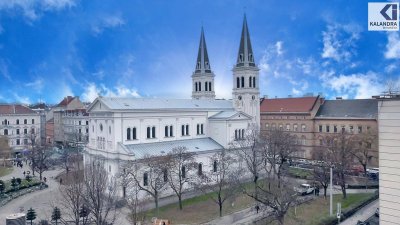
[{"x": 122, "y": 129}]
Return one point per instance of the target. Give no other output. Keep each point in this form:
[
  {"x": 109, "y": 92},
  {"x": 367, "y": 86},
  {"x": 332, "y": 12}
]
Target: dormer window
[
  {"x": 241, "y": 58},
  {"x": 250, "y": 57},
  {"x": 207, "y": 66}
]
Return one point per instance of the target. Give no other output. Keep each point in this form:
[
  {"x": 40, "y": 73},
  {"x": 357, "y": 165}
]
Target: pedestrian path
[{"x": 362, "y": 214}]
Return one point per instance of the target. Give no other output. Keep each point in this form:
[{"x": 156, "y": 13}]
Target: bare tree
[
  {"x": 72, "y": 197},
  {"x": 366, "y": 148},
  {"x": 321, "y": 171},
  {"x": 41, "y": 157},
  {"x": 179, "y": 163},
  {"x": 248, "y": 149},
  {"x": 100, "y": 193},
  {"x": 278, "y": 148},
  {"x": 5, "y": 150},
  {"x": 340, "y": 147},
  {"x": 154, "y": 178},
  {"x": 219, "y": 183}
]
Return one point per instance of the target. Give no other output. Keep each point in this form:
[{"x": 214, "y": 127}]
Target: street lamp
[{"x": 331, "y": 193}]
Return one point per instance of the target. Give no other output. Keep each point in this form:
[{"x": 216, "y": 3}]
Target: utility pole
[{"x": 331, "y": 194}]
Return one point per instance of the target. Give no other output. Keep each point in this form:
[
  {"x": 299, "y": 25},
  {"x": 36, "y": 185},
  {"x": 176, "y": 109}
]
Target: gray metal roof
[
  {"x": 160, "y": 104},
  {"x": 162, "y": 148},
  {"x": 355, "y": 108}
]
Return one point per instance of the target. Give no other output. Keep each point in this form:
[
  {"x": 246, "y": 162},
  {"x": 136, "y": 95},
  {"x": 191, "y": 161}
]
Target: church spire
[
  {"x": 202, "y": 63},
  {"x": 245, "y": 55}
]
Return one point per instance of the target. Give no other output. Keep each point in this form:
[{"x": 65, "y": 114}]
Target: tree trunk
[
  {"x": 220, "y": 205},
  {"x": 156, "y": 201},
  {"x": 180, "y": 202},
  {"x": 325, "y": 187},
  {"x": 281, "y": 220}
]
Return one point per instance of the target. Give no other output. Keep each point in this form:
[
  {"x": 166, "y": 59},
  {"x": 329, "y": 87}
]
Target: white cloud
[
  {"x": 279, "y": 48},
  {"x": 37, "y": 84},
  {"x": 354, "y": 85},
  {"x": 92, "y": 91},
  {"x": 393, "y": 46},
  {"x": 22, "y": 99},
  {"x": 4, "y": 70},
  {"x": 32, "y": 9},
  {"x": 107, "y": 22},
  {"x": 339, "y": 41}
]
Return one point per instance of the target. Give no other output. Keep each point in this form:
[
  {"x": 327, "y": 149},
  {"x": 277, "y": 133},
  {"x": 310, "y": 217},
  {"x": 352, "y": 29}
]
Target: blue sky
[{"x": 53, "y": 48}]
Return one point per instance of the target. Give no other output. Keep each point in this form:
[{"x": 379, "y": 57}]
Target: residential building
[
  {"x": 294, "y": 115},
  {"x": 389, "y": 159},
  {"x": 355, "y": 116},
  {"x": 76, "y": 126},
  {"x": 21, "y": 125}
]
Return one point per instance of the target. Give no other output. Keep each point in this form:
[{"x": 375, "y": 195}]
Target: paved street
[{"x": 362, "y": 214}]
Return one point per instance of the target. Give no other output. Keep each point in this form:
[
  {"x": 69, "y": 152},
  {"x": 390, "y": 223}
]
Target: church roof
[
  {"x": 115, "y": 103},
  {"x": 245, "y": 55},
  {"x": 229, "y": 114},
  {"x": 202, "y": 63},
  {"x": 162, "y": 148}
]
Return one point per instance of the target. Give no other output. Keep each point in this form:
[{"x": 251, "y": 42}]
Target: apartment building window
[
  {"x": 303, "y": 128},
  {"x": 287, "y": 127},
  {"x": 321, "y": 142},
  {"x": 87, "y": 122},
  {"x": 25, "y": 141},
  {"x": 295, "y": 127},
  {"x": 215, "y": 166},
  {"x": 327, "y": 128},
  {"x": 351, "y": 128},
  {"x": 267, "y": 126},
  {"x": 18, "y": 142},
  {"x": 359, "y": 129},
  {"x": 368, "y": 128},
  {"x": 17, "y": 131},
  {"x": 25, "y": 121},
  {"x": 17, "y": 122},
  {"x": 87, "y": 130},
  {"x": 25, "y": 131},
  {"x": 369, "y": 145},
  {"x": 200, "y": 169},
  {"x": 80, "y": 122},
  {"x": 33, "y": 121},
  {"x": 334, "y": 129},
  {"x": 280, "y": 127},
  {"x": 145, "y": 179},
  {"x": 80, "y": 131},
  {"x": 5, "y": 131},
  {"x": 320, "y": 128},
  {"x": 273, "y": 126}
]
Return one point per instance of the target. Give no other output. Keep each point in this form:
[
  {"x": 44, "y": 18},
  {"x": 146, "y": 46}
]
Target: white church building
[{"x": 122, "y": 129}]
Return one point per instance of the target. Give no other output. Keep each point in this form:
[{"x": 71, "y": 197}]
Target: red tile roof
[
  {"x": 15, "y": 109},
  {"x": 304, "y": 104},
  {"x": 66, "y": 101}
]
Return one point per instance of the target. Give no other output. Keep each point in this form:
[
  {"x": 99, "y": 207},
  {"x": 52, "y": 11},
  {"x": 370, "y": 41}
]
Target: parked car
[
  {"x": 305, "y": 189},
  {"x": 362, "y": 223},
  {"x": 377, "y": 212}
]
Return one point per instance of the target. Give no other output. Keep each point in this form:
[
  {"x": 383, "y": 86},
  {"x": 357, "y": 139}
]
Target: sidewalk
[{"x": 362, "y": 214}]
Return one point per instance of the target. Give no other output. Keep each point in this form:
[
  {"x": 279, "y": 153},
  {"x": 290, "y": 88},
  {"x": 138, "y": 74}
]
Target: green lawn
[
  {"x": 317, "y": 211},
  {"x": 5, "y": 171},
  {"x": 301, "y": 173}
]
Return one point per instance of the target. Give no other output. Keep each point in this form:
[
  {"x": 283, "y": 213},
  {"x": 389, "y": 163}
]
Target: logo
[{"x": 383, "y": 16}]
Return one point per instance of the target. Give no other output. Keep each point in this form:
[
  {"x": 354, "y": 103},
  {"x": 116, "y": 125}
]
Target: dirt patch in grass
[
  {"x": 70, "y": 177},
  {"x": 199, "y": 209}
]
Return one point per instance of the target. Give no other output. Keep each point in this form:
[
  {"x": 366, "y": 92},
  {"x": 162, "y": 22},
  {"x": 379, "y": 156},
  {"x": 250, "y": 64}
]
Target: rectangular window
[
  {"x": 351, "y": 128},
  {"x": 18, "y": 142},
  {"x": 295, "y": 127},
  {"x": 153, "y": 132},
  {"x": 17, "y": 131},
  {"x": 303, "y": 128},
  {"x": 25, "y": 141},
  {"x": 183, "y": 130},
  {"x": 359, "y": 129},
  {"x": 334, "y": 129},
  {"x": 198, "y": 129},
  {"x": 33, "y": 121},
  {"x": 287, "y": 127},
  {"x": 80, "y": 123},
  {"x": 187, "y": 130},
  {"x": 25, "y": 131},
  {"x": 201, "y": 129},
  {"x": 327, "y": 128},
  {"x": 320, "y": 128},
  {"x": 87, "y": 122}
]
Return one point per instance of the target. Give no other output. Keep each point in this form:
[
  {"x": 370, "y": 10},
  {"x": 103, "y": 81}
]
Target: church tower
[
  {"x": 203, "y": 77},
  {"x": 246, "y": 92}
]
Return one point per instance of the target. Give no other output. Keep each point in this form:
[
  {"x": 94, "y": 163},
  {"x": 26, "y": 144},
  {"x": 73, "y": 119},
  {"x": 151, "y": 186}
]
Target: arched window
[
  {"x": 187, "y": 129},
  {"x": 148, "y": 132},
  {"x": 201, "y": 129},
  {"x": 198, "y": 129},
  {"x": 237, "y": 82},
  {"x": 166, "y": 131},
  {"x": 254, "y": 82},
  {"x": 196, "y": 86},
  {"x": 206, "y": 85},
  {"x": 17, "y": 121},
  {"x": 134, "y": 133},
  {"x": 171, "y": 131},
  {"x": 215, "y": 166},
  {"x": 200, "y": 169},
  {"x": 209, "y": 86},
  {"x": 199, "y": 86},
  {"x": 183, "y": 130},
  {"x": 250, "y": 81},
  {"x": 242, "y": 81},
  {"x": 153, "y": 132},
  {"x": 183, "y": 172},
  {"x": 145, "y": 179},
  {"x": 128, "y": 134},
  {"x": 236, "y": 134},
  {"x": 242, "y": 133},
  {"x": 165, "y": 175},
  {"x": 5, "y": 131}
]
